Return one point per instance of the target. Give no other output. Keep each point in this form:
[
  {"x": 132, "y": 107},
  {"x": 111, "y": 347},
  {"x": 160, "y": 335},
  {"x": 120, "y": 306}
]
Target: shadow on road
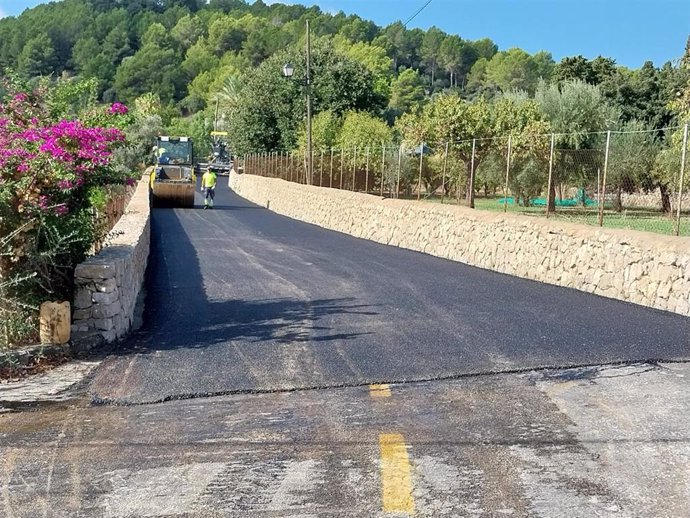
[{"x": 178, "y": 313}]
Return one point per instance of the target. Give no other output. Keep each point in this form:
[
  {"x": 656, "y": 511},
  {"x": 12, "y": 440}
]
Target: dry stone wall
[
  {"x": 108, "y": 284},
  {"x": 637, "y": 267}
]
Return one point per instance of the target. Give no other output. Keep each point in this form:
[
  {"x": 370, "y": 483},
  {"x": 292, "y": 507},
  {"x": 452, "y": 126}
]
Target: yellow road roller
[{"x": 172, "y": 178}]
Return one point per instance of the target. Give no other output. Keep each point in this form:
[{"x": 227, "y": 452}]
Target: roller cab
[{"x": 173, "y": 181}]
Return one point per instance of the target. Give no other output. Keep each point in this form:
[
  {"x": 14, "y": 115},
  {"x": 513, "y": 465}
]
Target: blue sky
[{"x": 630, "y": 31}]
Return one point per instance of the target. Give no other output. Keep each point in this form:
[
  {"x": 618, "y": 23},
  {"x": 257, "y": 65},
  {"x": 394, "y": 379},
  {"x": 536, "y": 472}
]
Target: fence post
[
  {"x": 330, "y": 176},
  {"x": 603, "y": 180},
  {"x": 354, "y": 169},
  {"x": 682, "y": 177},
  {"x": 321, "y": 170},
  {"x": 505, "y": 187},
  {"x": 366, "y": 180},
  {"x": 470, "y": 194},
  {"x": 342, "y": 166},
  {"x": 549, "y": 200},
  {"x": 383, "y": 165},
  {"x": 397, "y": 183},
  {"x": 421, "y": 162},
  {"x": 285, "y": 167},
  {"x": 443, "y": 181}
]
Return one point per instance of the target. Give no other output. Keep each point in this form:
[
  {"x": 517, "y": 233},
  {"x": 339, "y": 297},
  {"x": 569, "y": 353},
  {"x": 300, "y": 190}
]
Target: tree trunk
[
  {"x": 552, "y": 198},
  {"x": 665, "y": 198},
  {"x": 618, "y": 202}
]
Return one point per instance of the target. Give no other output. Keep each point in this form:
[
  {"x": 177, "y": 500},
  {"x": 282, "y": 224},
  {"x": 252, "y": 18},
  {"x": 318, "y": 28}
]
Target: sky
[{"x": 629, "y": 31}]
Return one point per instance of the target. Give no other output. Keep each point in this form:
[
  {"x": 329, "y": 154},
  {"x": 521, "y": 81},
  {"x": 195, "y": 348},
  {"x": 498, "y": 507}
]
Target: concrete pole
[
  {"x": 682, "y": 177},
  {"x": 603, "y": 180},
  {"x": 505, "y": 188},
  {"x": 550, "y": 182}
]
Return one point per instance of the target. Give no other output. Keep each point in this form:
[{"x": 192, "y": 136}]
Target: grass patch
[{"x": 642, "y": 219}]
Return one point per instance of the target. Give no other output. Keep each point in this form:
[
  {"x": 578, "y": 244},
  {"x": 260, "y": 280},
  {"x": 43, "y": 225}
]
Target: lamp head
[{"x": 288, "y": 70}]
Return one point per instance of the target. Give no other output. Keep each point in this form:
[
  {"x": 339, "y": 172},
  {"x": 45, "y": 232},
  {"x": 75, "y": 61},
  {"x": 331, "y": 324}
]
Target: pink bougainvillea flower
[
  {"x": 65, "y": 184},
  {"x": 118, "y": 108}
]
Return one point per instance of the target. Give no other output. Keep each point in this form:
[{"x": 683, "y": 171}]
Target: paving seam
[{"x": 99, "y": 401}]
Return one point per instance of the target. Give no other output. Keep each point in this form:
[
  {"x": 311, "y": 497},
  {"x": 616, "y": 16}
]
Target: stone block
[
  {"x": 95, "y": 271},
  {"x": 105, "y": 311},
  {"x": 109, "y": 336},
  {"x": 55, "y": 325},
  {"x": 82, "y": 314},
  {"x": 106, "y": 286},
  {"x": 104, "y": 298},
  {"x": 82, "y": 299},
  {"x": 103, "y": 324}
]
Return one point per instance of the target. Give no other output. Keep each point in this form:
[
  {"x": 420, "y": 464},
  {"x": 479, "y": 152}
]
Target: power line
[{"x": 417, "y": 12}]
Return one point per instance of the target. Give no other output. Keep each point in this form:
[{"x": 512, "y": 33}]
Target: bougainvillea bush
[{"x": 54, "y": 171}]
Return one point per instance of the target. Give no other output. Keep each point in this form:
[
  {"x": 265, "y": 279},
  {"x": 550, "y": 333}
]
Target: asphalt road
[
  {"x": 608, "y": 442},
  {"x": 243, "y": 300},
  {"x": 240, "y": 299}
]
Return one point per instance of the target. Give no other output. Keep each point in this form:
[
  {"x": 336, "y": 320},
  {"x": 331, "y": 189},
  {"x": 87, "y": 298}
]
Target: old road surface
[{"x": 284, "y": 370}]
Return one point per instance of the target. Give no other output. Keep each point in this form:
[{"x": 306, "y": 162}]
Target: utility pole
[{"x": 308, "y": 86}]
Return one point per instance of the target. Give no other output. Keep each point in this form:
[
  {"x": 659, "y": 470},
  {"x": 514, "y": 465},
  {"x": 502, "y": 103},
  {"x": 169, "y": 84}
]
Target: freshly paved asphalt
[{"x": 240, "y": 299}]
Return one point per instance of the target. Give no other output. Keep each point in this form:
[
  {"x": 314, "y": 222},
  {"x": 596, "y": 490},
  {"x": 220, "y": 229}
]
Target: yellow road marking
[
  {"x": 396, "y": 474},
  {"x": 380, "y": 390}
]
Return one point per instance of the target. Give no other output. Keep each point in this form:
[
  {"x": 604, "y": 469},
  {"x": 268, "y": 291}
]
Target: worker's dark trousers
[{"x": 210, "y": 196}]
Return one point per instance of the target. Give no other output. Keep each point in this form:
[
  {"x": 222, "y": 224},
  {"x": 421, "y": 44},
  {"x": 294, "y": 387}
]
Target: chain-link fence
[{"x": 636, "y": 180}]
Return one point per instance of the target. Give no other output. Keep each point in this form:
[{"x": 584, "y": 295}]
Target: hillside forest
[{"x": 188, "y": 56}]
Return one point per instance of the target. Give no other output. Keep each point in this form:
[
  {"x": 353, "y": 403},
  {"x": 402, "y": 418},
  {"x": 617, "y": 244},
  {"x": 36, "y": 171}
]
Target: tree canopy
[{"x": 194, "y": 55}]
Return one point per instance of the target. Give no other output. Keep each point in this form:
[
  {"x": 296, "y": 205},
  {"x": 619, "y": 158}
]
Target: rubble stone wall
[
  {"x": 638, "y": 267},
  {"x": 108, "y": 284}
]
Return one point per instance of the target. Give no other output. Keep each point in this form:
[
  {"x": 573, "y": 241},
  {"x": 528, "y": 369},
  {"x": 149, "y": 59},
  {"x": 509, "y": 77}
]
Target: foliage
[
  {"x": 52, "y": 172},
  {"x": 407, "y": 93},
  {"x": 515, "y": 69},
  {"x": 476, "y": 127},
  {"x": 362, "y": 131},
  {"x": 632, "y": 155},
  {"x": 325, "y": 127},
  {"x": 184, "y": 51},
  {"x": 577, "y": 112},
  {"x": 375, "y": 60},
  {"x": 272, "y": 108}
]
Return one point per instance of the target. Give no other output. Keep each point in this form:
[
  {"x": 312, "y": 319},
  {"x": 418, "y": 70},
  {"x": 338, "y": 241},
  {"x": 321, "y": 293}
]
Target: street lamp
[{"x": 288, "y": 71}]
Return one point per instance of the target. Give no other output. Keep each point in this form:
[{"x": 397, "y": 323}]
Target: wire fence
[{"x": 611, "y": 179}]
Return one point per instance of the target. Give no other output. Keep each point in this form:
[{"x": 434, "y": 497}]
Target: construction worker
[{"x": 208, "y": 184}]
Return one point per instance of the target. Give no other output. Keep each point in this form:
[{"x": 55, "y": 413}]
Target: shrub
[{"x": 53, "y": 172}]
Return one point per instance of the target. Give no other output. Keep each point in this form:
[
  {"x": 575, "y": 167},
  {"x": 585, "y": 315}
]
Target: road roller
[{"x": 172, "y": 179}]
